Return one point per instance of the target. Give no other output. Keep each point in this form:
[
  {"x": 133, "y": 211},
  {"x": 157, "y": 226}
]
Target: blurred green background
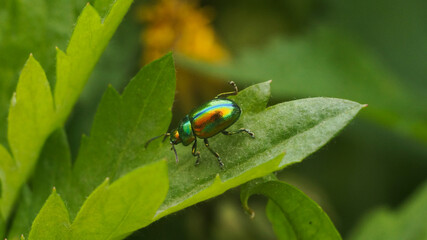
[{"x": 373, "y": 52}]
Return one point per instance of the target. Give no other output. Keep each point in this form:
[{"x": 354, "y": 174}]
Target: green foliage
[
  {"x": 110, "y": 212},
  {"x": 53, "y": 170},
  {"x": 35, "y": 112},
  {"x": 130, "y": 203},
  {"x": 393, "y": 33},
  {"x": 52, "y": 222},
  {"x": 89, "y": 39},
  {"x": 292, "y": 213},
  {"x": 143, "y": 107},
  {"x": 121, "y": 127},
  {"x": 31, "y": 26},
  {"x": 325, "y": 63},
  {"x": 144, "y": 189},
  {"x": 309, "y": 124},
  {"x": 407, "y": 222}
]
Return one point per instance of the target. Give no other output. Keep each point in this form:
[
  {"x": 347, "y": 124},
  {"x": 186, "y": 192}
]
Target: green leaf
[
  {"x": 293, "y": 214},
  {"x": 35, "y": 113},
  {"x": 121, "y": 127},
  {"x": 31, "y": 27},
  {"x": 112, "y": 212},
  {"x": 297, "y": 128},
  {"x": 124, "y": 123},
  {"x": 30, "y": 119},
  {"x": 326, "y": 63},
  {"x": 281, "y": 225},
  {"x": 30, "y": 115},
  {"x": 53, "y": 170},
  {"x": 52, "y": 222},
  {"x": 119, "y": 52},
  {"x": 408, "y": 222},
  {"x": 9, "y": 183},
  {"x": 89, "y": 39}
]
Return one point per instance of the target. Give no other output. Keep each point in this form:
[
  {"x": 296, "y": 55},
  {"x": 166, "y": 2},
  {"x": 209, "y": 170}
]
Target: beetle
[{"x": 204, "y": 122}]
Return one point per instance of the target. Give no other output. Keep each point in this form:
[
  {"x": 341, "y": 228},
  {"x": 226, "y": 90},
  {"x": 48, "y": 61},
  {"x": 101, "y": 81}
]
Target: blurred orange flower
[{"x": 181, "y": 26}]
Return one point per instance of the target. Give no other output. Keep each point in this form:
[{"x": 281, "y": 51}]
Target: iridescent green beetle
[{"x": 206, "y": 121}]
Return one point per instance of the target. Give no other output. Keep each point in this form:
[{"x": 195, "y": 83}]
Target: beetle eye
[{"x": 175, "y": 139}]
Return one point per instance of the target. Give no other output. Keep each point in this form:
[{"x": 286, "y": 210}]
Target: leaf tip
[
  {"x": 54, "y": 190},
  {"x": 364, "y": 105},
  {"x": 13, "y": 99},
  {"x": 269, "y": 81},
  {"x": 31, "y": 61},
  {"x": 31, "y": 58},
  {"x": 250, "y": 212},
  {"x": 217, "y": 179}
]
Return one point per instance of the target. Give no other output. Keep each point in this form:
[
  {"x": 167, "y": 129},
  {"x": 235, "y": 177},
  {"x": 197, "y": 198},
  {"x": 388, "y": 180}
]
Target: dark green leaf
[
  {"x": 293, "y": 214},
  {"x": 121, "y": 127},
  {"x": 394, "y": 33},
  {"x": 408, "y": 222},
  {"x": 281, "y": 225}
]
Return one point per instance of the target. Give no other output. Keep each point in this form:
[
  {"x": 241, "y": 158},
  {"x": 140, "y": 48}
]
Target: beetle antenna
[
  {"x": 226, "y": 94},
  {"x": 166, "y": 135},
  {"x": 174, "y": 150},
  {"x": 154, "y": 138}
]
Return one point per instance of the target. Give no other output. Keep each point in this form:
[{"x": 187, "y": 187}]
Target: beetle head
[{"x": 174, "y": 138}]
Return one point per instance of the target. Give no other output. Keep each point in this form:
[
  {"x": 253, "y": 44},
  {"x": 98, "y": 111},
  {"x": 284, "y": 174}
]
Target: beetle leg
[
  {"x": 214, "y": 153},
  {"x": 195, "y": 152},
  {"x": 226, "y": 94},
  {"x": 239, "y": 131},
  {"x": 174, "y": 150}
]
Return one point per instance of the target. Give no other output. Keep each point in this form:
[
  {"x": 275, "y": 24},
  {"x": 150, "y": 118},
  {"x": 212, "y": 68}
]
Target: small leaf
[
  {"x": 8, "y": 180},
  {"x": 30, "y": 114},
  {"x": 130, "y": 203},
  {"x": 301, "y": 217},
  {"x": 279, "y": 222},
  {"x": 408, "y": 222},
  {"x": 30, "y": 120},
  {"x": 52, "y": 222},
  {"x": 53, "y": 169}
]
